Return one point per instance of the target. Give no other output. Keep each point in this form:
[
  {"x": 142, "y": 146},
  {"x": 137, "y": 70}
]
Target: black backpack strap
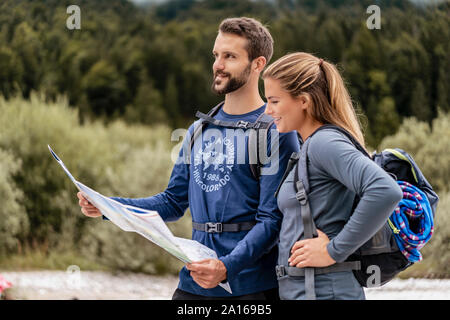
[
  {"x": 218, "y": 227},
  {"x": 291, "y": 163},
  {"x": 264, "y": 121},
  {"x": 202, "y": 124},
  {"x": 257, "y": 138},
  {"x": 222, "y": 123},
  {"x": 260, "y": 123}
]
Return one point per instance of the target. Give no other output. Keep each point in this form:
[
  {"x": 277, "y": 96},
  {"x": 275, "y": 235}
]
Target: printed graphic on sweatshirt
[{"x": 213, "y": 162}]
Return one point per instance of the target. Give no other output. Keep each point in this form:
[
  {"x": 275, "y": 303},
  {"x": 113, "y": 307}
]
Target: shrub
[
  {"x": 429, "y": 146},
  {"x": 13, "y": 220},
  {"x": 115, "y": 159}
]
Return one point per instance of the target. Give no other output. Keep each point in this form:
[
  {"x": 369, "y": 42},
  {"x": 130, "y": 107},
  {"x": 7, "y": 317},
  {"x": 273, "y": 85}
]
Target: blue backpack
[{"x": 382, "y": 249}]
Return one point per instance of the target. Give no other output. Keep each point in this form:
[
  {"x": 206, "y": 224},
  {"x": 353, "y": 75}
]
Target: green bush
[
  {"x": 116, "y": 160},
  {"x": 107, "y": 245},
  {"x": 13, "y": 220},
  {"x": 429, "y": 146}
]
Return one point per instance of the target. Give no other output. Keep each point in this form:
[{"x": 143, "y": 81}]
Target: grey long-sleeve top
[{"x": 338, "y": 171}]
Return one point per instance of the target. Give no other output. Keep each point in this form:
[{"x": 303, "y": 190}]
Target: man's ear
[{"x": 259, "y": 63}]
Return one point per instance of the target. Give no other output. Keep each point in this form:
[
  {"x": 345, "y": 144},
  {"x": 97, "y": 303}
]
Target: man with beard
[{"x": 233, "y": 212}]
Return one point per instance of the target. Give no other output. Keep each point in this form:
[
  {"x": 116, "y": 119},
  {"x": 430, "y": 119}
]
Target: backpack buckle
[
  {"x": 301, "y": 196},
  {"x": 242, "y": 124},
  {"x": 212, "y": 227},
  {"x": 280, "y": 271}
]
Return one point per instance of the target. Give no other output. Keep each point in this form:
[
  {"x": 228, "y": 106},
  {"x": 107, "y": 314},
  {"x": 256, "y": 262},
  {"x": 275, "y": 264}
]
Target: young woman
[{"x": 303, "y": 93}]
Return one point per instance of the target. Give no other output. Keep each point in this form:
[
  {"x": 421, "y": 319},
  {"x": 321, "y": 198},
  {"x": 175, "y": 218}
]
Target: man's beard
[{"x": 233, "y": 83}]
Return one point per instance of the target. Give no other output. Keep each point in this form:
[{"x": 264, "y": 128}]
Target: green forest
[
  {"x": 153, "y": 65},
  {"x": 107, "y": 96}
]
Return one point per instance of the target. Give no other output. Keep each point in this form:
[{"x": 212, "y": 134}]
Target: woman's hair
[{"x": 301, "y": 73}]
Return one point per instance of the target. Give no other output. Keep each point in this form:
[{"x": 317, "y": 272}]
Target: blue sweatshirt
[{"x": 217, "y": 185}]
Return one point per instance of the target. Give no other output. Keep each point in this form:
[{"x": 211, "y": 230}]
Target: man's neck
[{"x": 243, "y": 100}]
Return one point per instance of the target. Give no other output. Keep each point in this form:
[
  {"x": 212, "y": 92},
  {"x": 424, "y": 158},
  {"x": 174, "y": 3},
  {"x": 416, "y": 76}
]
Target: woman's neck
[{"x": 308, "y": 128}]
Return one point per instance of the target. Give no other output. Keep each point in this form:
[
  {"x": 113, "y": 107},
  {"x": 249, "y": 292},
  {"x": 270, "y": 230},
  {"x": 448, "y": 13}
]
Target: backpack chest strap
[
  {"x": 218, "y": 227},
  {"x": 241, "y": 124}
]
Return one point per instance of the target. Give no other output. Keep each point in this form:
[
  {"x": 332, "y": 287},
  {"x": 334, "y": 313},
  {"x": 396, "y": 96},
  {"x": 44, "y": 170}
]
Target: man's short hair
[{"x": 260, "y": 42}]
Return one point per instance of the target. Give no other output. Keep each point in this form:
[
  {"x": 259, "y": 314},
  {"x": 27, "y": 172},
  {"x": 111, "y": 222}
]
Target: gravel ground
[{"x": 86, "y": 285}]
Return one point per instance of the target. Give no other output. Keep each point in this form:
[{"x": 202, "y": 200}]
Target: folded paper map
[{"x": 147, "y": 223}]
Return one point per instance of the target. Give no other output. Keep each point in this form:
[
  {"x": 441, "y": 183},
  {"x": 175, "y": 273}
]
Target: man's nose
[{"x": 218, "y": 64}]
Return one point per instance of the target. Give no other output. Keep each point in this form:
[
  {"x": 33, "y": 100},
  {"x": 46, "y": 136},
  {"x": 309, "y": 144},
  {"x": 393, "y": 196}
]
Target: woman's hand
[{"x": 311, "y": 252}]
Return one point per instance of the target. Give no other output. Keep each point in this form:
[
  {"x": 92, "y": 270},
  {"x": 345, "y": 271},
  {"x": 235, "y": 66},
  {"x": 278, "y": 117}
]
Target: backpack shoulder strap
[
  {"x": 291, "y": 163},
  {"x": 262, "y": 122},
  {"x": 198, "y": 129},
  {"x": 301, "y": 186},
  {"x": 216, "y": 109},
  {"x": 257, "y": 138}
]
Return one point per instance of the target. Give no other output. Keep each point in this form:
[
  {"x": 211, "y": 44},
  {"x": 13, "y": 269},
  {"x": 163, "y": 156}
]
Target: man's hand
[
  {"x": 87, "y": 208},
  {"x": 311, "y": 252},
  {"x": 208, "y": 273}
]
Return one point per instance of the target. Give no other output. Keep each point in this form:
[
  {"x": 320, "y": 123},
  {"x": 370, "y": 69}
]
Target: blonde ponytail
[{"x": 301, "y": 73}]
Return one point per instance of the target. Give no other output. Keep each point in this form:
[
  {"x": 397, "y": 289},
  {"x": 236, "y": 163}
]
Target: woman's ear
[{"x": 303, "y": 101}]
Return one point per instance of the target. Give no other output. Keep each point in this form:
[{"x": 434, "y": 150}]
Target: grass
[
  {"x": 40, "y": 260},
  {"x": 424, "y": 269}
]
